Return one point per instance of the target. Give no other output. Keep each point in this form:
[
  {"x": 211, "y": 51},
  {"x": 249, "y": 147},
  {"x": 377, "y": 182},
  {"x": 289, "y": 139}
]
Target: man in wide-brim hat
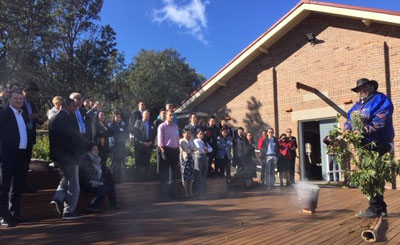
[
  {"x": 377, "y": 110},
  {"x": 362, "y": 82}
]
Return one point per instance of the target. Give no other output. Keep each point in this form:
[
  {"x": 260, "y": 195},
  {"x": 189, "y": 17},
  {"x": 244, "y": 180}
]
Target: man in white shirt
[{"x": 16, "y": 145}]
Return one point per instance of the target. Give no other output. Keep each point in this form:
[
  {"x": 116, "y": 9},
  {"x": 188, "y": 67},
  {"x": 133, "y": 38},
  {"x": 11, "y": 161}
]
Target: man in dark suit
[
  {"x": 67, "y": 144},
  {"x": 16, "y": 145},
  {"x": 80, "y": 116},
  {"x": 144, "y": 133},
  {"x": 192, "y": 127},
  {"x": 136, "y": 115},
  {"x": 31, "y": 92}
]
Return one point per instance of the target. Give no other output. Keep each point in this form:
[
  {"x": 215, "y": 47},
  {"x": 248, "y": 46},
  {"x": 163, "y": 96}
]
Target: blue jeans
[
  {"x": 270, "y": 163},
  {"x": 68, "y": 189}
]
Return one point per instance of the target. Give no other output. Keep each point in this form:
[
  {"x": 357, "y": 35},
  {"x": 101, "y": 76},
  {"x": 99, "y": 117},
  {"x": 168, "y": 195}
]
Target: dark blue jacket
[
  {"x": 224, "y": 146},
  {"x": 377, "y": 111}
]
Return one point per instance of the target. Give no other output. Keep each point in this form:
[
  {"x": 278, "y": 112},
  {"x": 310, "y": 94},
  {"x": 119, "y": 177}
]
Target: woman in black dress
[
  {"x": 119, "y": 135},
  {"x": 100, "y": 137},
  {"x": 248, "y": 163}
]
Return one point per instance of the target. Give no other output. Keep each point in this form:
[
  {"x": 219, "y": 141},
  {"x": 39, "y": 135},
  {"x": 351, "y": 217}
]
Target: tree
[
  {"x": 25, "y": 25},
  {"x": 371, "y": 171},
  {"x": 160, "y": 77}
]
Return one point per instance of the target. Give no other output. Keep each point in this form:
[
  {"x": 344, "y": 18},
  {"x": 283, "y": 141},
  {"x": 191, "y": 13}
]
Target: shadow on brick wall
[{"x": 253, "y": 121}]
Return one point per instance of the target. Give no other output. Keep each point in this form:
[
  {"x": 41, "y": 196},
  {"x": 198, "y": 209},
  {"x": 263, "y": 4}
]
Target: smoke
[{"x": 305, "y": 185}]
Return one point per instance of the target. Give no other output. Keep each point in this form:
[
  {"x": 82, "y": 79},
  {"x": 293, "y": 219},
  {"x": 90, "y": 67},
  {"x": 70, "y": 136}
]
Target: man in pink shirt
[{"x": 168, "y": 142}]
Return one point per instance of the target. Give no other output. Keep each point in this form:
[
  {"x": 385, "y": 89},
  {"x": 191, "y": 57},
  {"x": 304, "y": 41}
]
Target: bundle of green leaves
[{"x": 370, "y": 172}]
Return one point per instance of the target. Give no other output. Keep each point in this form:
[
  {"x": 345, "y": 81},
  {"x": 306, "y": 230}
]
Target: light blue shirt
[
  {"x": 271, "y": 147},
  {"x": 81, "y": 124}
]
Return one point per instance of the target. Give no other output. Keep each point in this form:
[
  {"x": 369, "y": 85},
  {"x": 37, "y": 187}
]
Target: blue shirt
[
  {"x": 147, "y": 125},
  {"x": 377, "y": 112},
  {"x": 81, "y": 124},
  {"x": 271, "y": 147}
]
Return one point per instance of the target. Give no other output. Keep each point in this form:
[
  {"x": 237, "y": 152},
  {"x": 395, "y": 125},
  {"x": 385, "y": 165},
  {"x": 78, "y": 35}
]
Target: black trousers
[
  {"x": 377, "y": 204},
  {"x": 142, "y": 160},
  {"x": 211, "y": 158},
  {"x": 102, "y": 191},
  {"x": 170, "y": 158},
  {"x": 13, "y": 174},
  {"x": 117, "y": 161},
  {"x": 292, "y": 167},
  {"x": 222, "y": 164}
]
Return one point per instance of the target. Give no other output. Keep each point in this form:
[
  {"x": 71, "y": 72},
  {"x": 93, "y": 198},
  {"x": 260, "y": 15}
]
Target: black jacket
[
  {"x": 100, "y": 134},
  {"x": 119, "y": 133},
  {"x": 137, "y": 115},
  {"x": 9, "y": 133},
  {"x": 34, "y": 121},
  {"x": 140, "y": 132},
  {"x": 193, "y": 130},
  {"x": 66, "y": 142}
]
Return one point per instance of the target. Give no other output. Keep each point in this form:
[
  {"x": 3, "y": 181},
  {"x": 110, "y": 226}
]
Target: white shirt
[
  {"x": 23, "y": 136},
  {"x": 201, "y": 146}
]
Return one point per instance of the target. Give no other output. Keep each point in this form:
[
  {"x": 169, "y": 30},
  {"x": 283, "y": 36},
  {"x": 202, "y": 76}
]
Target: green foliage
[
  {"x": 41, "y": 150},
  {"x": 130, "y": 156},
  {"x": 371, "y": 170},
  {"x": 130, "y": 153},
  {"x": 59, "y": 45},
  {"x": 164, "y": 74}
]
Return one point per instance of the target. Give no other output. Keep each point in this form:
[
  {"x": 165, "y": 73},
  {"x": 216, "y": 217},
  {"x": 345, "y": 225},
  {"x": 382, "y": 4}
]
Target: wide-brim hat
[{"x": 363, "y": 81}]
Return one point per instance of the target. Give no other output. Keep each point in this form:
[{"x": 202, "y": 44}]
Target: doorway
[{"x": 314, "y": 160}]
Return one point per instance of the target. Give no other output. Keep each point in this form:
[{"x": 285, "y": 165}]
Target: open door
[
  {"x": 331, "y": 171},
  {"x": 316, "y": 164}
]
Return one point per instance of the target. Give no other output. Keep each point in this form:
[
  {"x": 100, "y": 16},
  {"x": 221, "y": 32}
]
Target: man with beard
[{"x": 376, "y": 109}]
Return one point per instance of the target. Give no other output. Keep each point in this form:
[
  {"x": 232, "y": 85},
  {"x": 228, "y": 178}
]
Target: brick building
[{"x": 286, "y": 80}]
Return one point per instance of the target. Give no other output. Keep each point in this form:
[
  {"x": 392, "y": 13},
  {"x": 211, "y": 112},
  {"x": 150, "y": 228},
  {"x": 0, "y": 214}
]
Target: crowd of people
[{"x": 82, "y": 140}]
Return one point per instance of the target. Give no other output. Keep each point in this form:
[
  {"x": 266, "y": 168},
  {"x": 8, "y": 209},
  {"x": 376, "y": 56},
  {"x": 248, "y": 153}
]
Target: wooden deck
[{"x": 227, "y": 216}]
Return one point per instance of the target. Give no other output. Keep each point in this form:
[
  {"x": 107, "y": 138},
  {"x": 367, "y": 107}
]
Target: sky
[{"x": 208, "y": 33}]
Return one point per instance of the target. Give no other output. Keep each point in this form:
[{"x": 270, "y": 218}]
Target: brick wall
[{"x": 347, "y": 51}]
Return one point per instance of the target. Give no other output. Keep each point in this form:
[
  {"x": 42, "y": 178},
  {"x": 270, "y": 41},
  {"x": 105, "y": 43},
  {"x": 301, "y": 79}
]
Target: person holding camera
[{"x": 285, "y": 146}]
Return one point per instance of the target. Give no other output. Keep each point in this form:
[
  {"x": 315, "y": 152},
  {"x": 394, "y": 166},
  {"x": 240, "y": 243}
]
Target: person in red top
[
  {"x": 285, "y": 146},
  {"x": 260, "y": 141}
]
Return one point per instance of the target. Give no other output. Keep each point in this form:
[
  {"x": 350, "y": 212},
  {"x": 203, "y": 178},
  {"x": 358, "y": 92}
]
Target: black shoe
[
  {"x": 384, "y": 213},
  {"x": 114, "y": 207},
  {"x": 93, "y": 210},
  {"x": 71, "y": 216},
  {"x": 20, "y": 219},
  {"x": 367, "y": 214},
  {"x": 58, "y": 206},
  {"x": 8, "y": 223}
]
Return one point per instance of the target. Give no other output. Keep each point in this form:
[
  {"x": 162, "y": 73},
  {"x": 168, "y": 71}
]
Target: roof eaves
[{"x": 186, "y": 102}]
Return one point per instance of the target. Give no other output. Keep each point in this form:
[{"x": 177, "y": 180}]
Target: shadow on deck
[{"x": 226, "y": 216}]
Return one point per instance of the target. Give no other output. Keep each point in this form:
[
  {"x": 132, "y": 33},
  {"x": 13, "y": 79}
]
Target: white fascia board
[{"x": 355, "y": 14}]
